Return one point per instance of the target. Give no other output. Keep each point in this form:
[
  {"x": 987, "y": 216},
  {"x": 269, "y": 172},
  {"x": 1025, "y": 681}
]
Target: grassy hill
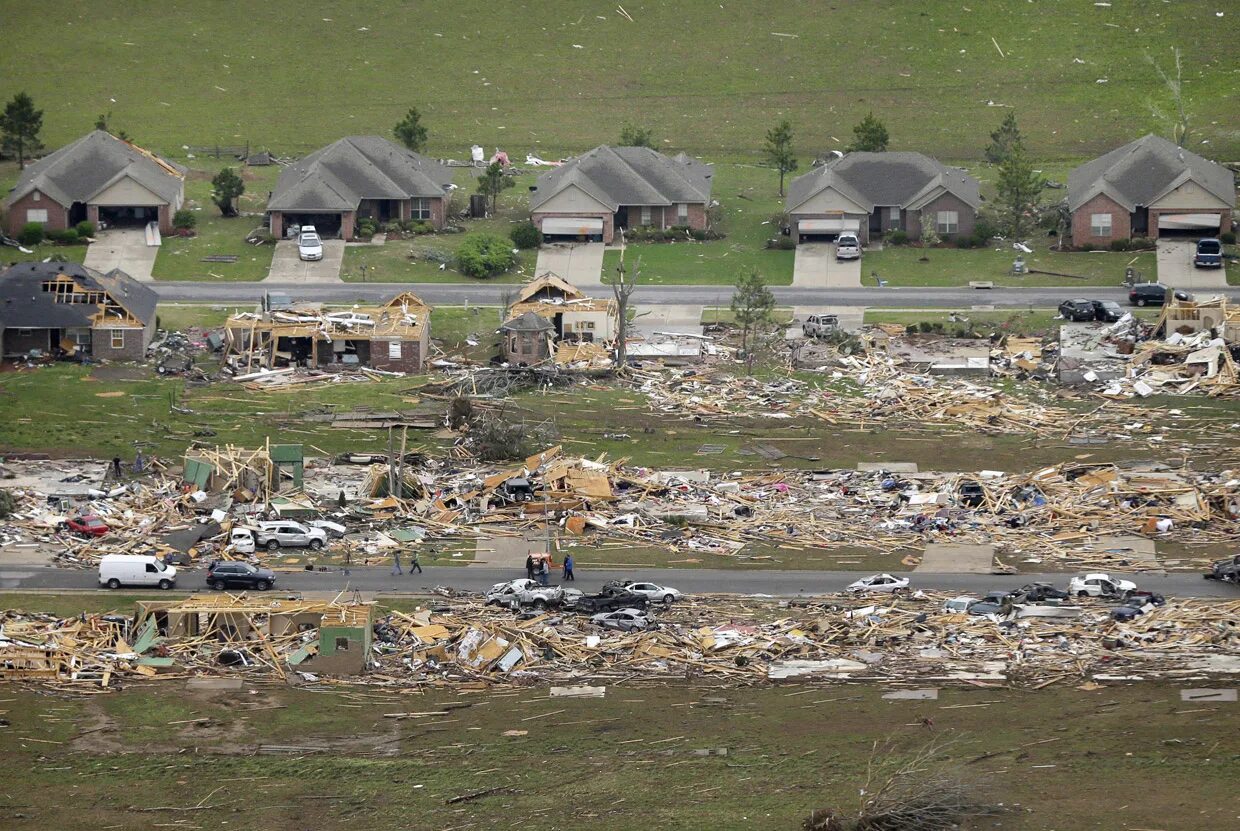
[{"x": 556, "y": 76}]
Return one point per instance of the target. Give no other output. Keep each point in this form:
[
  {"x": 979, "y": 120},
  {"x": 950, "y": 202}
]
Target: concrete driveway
[
  {"x": 851, "y": 318},
  {"x": 845, "y": 274},
  {"x": 1175, "y": 267},
  {"x": 287, "y": 267},
  {"x": 123, "y": 248},
  {"x": 579, "y": 263},
  {"x": 809, "y": 268}
]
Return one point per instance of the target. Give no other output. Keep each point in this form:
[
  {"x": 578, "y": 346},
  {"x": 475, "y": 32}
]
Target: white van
[
  {"x": 241, "y": 540},
  {"x": 116, "y": 570}
]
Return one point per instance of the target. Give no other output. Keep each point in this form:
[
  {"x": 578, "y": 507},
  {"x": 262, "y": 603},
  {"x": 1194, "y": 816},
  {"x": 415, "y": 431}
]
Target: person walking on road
[
  {"x": 544, "y": 574},
  {"x": 396, "y": 563},
  {"x": 529, "y": 567},
  {"x": 568, "y": 567},
  {"x": 414, "y": 562}
]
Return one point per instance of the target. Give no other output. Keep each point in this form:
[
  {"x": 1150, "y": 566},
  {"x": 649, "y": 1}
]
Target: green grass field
[
  {"x": 558, "y": 78},
  {"x": 678, "y": 755}
]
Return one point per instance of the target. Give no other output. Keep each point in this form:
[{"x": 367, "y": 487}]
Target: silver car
[{"x": 626, "y": 620}]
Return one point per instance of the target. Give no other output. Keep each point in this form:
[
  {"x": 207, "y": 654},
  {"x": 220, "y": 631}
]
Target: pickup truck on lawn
[{"x": 518, "y": 594}]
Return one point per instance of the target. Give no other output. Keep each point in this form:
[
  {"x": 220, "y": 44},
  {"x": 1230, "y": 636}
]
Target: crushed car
[{"x": 523, "y": 593}]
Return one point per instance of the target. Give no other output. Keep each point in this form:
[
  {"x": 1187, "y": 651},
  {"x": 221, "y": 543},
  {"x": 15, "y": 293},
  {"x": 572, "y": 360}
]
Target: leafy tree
[
  {"x": 184, "y": 220},
  {"x": 410, "y": 131},
  {"x": 1020, "y": 190},
  {"x": 226, "y": 187},
  {"x": 1004, "y": 139},
  {"x": 525, "y": 235},
  {"x": 633, "y": 136},
  {"x": 493, "y": 182},
  {"x": 19, "y": 128},
  {"x": 869, "y": 136},
  {"x": 778, "y": 151},
  {"x": 752, "y": 304},
  {"x": 484, "y": 255}
]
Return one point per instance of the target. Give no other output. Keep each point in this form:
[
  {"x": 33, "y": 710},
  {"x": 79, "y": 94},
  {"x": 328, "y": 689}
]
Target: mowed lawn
[{"x": 558, "y": 77}]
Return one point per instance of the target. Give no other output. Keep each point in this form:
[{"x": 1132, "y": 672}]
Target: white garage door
[
  {"x": 1187, "y": 222},
  {"x": 828, "y": 226},
  {"x": 572, "y": 226}
]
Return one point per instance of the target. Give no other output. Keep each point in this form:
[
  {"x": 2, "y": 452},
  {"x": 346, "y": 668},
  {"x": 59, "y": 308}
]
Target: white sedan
[
  {"x": 309, "y": 246},
  {"x": 879, "y": 583},
  {"x": 1100, "y": 585},
  {"x": 654, "y": 592}
]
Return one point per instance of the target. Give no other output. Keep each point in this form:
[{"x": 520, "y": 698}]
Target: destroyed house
[
  {"x": 99, "y": 178},
  {"x": 574, "y": 316},
  {"x": 870, "y": 194},
  {"x": 527, "y": 339},
  {"x": 66, "y": 308},
  {"x": 1149, "y": 188},
  {"x": 359, "y": 177},
  {"x": 1213, "y": 315},
  {"x": 394, "y": 337},
  {"x": 591, "y": 195}
]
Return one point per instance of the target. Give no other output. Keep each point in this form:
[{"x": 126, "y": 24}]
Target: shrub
[
  {"x": 525, "y": 235},
  {"x": 1087, "y": 246},
  {"x": 420, "y": 226},
  {"x": 184, "y": 220},
  {"x": 984, "y": 229},
  {"x": 367, "y": 226},
  {"x": 394, "y": 226},
  {"x": 1140, "y": 243},
  {"x": 32, "y": 233},
  {"x": 484, "y": 255},
  {"x": 1227, "y": 237},
  {"x": 898, "y": 237},
  {"x": 69, "y": 236},
  {"x": 85, "y": 228},
  {"x": 980, "y": 239},
  {"x": 964, "y": 242},
  {"x": 1120, "y": 245},
  {"x": 699, "y": 235},
  {"x": 782, "y": 243}
]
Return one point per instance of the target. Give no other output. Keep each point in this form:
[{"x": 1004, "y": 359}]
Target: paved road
[
  {"x": 773, "y": 583},
  {"x": 455, "y": 294}
]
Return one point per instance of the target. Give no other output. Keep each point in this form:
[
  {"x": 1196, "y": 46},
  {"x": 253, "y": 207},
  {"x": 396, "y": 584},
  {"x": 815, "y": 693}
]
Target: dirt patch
[
  {"x": 98, "y": 733},
  {"x": 119, "y": 372}
]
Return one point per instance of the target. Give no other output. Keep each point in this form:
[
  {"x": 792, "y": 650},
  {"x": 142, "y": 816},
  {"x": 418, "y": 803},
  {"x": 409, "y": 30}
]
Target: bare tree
[
  {"x": 924, "y": 789},
  {"x": 1175, "y": 87},
  {"x": 622, "y": 287}
]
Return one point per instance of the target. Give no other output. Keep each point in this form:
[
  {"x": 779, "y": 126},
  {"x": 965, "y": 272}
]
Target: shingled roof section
[
  {"x": 895, "y": 179},
  {"x": 77, "y": 172},
  {"x": 339, "y": 176},
  {"x": 1143, "y": 170},
  {"x": 24, "y": 304},
  {"x": 619, "y": 176}
]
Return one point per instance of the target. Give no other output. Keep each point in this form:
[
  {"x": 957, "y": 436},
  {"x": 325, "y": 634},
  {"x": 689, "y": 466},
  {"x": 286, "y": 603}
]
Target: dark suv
[
  {"x": 231, "y": 575},
  {"x": 1077, "y": 310},
  {"x": 1153, "y": 294}
]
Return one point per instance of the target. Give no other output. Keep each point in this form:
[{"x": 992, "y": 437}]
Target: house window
[
  {"x": 682, "y": 214},
  {"x": 81, "y": 338},
  {"x": 420, "y": 208},
  {"x": 589, "y": 324},
  {"x": 36, "y": 197},
  {"x": 118, "y": 338},
  {"x": 24, "y": 333},
  {"x": 394, "y": 350},
  {"x": 33, "y": 215},
  {"x": 342, "y": 644},
  {"x": 512, "y": 344},
  {"x": 1100, "y": 225},
  {"x": 947, "y": 222},
  {"x": 645, "y": 215}
]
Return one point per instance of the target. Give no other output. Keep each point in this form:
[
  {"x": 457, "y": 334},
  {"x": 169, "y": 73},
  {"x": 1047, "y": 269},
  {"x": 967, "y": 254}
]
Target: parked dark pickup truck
[{"x": 589, "y": 604}]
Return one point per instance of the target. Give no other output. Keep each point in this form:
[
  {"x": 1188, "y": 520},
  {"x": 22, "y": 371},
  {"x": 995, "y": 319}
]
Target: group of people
[
  {"x": 414, "y": 562},
  {"x": 540, "y": 568}
]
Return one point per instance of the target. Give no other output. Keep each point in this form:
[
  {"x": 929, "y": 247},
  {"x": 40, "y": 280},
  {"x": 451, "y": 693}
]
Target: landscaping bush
[
  {"x": 184, "y": 220},
  {"x": 1227, "y": 237},
  {"x": 525, "y": 235},
  {"x": 980, "y": 239},
  {"x": 897, "y": 238},
  {"x": 1087, "y": 246},
  {"x": 394, "y": 226},
  {"x": 700, "y": 235},
  {"x": 32, "y": 234},
  {"x": 69, "y": 236},
  {"x": 965, "y": 242},
  {"x": 367, "y": 227},
  {"x": 1140, "y": 243},
  {"x": 484, "y": 255},
  {"x": 421, "y": 226},
  {"x": 85, "y": 228},
  {"x": 1120, "y": 245},
  {"x": 782, "y": 244},
  {"x": 984, "y": 229}
]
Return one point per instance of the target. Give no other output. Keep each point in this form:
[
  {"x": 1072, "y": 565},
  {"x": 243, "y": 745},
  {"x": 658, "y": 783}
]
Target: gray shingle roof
[
  {"x": 342, "y": 174},
  {"x": 24, "y": 304},
  {"x": 528, "y": 322},
  {"x": 629, "y": 176},
  {"x": 79, "y": 171},
  {"x": 1143, "y": 170},
  {"x": 896, "y": 179}
]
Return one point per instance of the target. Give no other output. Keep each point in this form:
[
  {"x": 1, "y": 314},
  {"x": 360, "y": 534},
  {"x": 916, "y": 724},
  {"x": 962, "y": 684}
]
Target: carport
[
  {"x": 572, "y": 229},
  {"x": 1188, "y": 225},
  {"x": 826, "y": 230}
]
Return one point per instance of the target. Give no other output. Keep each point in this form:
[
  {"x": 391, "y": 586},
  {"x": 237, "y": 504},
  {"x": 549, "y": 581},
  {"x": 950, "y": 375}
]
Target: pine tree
[
  {"x": 1020, "y": 190},
  {"x": 869, "y": 136},
  {"x": 1004, "y": 139},
  {"x": 410, "y": 131},
  {"x": 778, "y": 151},
  {"x": 20, "y": 124}
]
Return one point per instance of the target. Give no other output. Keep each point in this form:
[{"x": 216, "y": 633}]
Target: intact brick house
[
  {"x": 872, "y": 193},
  {"x": 590, "y": 196},
  {"x": 100, "y": 178},
  {"x": 356, "y": 177},
  {"x": 68, "y": 308},
  {"x": 1149, "y": 188}
]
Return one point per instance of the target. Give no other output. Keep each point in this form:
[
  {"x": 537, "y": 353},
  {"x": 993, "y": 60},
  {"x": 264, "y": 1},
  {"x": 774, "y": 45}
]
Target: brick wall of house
[
  {"x": 276, "y": 224},
  {"x": 57, "y": 214},
  {"x": 525, "y": 347},
  {"x": 165, "y": 219},
  {"x": 21, "y": 341},
  {"x": 348, "y": 221},
  {"x": 609, "y": 221},
  {"x": 945, "y": 202},
  {"x": 410, "y": 359},
  {"x": 1121, "y": 221},
  {"x": 101, "y": 345},
  {"x": 1224, "y": 219},
  {"x": 439, "y": 209}
]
